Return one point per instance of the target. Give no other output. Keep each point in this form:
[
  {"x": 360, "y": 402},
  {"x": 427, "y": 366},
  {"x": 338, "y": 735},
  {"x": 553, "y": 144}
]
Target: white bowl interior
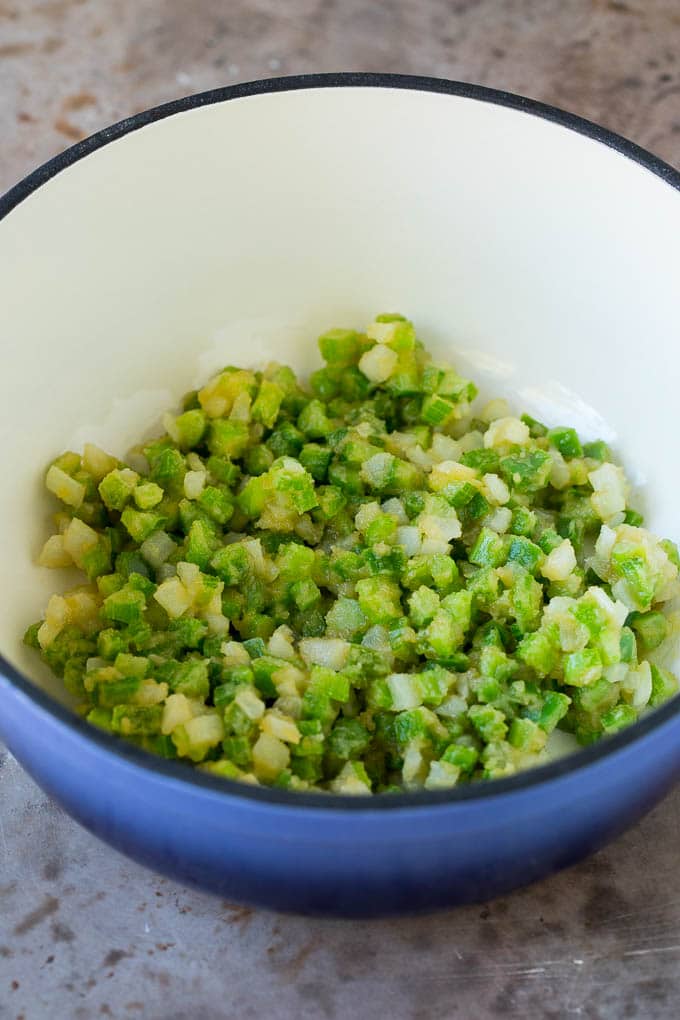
[{"x": 540, "y": 261}]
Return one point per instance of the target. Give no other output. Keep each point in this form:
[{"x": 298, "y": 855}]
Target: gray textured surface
[{"x": 85, "y": 933}]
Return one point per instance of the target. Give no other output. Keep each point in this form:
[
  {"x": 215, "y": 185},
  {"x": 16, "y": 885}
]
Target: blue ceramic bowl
[{"x": 538, "y": 251}]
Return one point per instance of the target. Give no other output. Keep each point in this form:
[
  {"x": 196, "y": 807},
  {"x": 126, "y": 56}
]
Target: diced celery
[
  {"x": 227, "y": 438},
  {"x": 582, "y": 668},
  {"x": 566, "y": 441},
  {"x": 141, "y": 523},
  {"x": 538, "y": 652},
  {"x": 526, "y": 735},
  {"x": 490, "y": 549},
  {"x": 536, "y": 428},
  {"x": 664, "y": 685},
  {"x": 527, "y": 471},
  {"x": 521, "y": 550},
  {"x": 267, "y": 403},
  {"x": 379, "y": 599},
  {"x": 618, "y": 717},
  {"x": 346, "y": 619},
  {"x": 339, "y": 346},
  {"x": 651, "y": 628},
  {"x": 488, "y": 722}
]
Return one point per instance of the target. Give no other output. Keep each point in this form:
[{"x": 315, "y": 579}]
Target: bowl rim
[{"x": 336, "y": 803}]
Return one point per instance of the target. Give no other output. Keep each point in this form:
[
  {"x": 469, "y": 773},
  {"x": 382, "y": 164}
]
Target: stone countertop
[{"x": 84, "y": 933}]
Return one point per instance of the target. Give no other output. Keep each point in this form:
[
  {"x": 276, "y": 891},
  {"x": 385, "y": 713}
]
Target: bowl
[{"x": 537, "y": 251}]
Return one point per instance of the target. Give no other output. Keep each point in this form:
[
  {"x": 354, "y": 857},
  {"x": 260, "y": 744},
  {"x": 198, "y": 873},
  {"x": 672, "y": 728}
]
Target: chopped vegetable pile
[{"x": 357, "y": 585}]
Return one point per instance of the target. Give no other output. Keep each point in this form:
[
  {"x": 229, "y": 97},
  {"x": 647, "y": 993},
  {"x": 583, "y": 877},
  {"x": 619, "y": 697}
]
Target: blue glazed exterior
[{"x": 339, "y": 860}]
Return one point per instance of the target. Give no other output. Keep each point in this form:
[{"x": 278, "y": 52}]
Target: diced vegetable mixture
[{"x": 358, "y": 584}]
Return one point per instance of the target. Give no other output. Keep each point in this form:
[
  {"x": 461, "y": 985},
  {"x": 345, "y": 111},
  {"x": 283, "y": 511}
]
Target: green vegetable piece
[
  {"x": 633, "y": 518},
  {"x": 628, "y": 645},
  {"x": 409, "y": 725},
  {"x": 117, "y": 487},
  {"x": 597, "y": 450},
  {"x": 346, "y": 479},
  {"x": 555, "y": 707},
  {"x": 490, "y": 549},
  {"x": 477, "y": 508},
  {"x": 315, "y": 459},
  {"x": 484, "y": 461},
  {"x": 124, "y": 606},
  {"x": 527, "y": 600},
  {"x": 494, "y": 663},
  {"x": 131, "y": 665},
  {"x": 258, "y": 459},
  {"x": 148, "y": 495},
  {"x": 189, "y": 632},
  {"x": 423, "y": 604},
  {"x": 223, "y": 470},
  {"x": 200, "y": 544},
  {"x": 671, "y": 550},
  {"x": 526, "y": 471},
  {"x": 190, "y": 428},
  {"x": 488, "y": 722},
  {"x": 313, "y": 421},
  {"x": 618, "y": 717},
  {"x": 348, "y": 739},
  {"x": 526, "y": 736},
  {"x": 436, "y": 410},
  {"x": 538, "y": 652},
  {"x": 69, "y": 462},
  {"x": 97, "y": 561},
  {"x": 434, "y": 684},
  {"x": 129, "y": 720},
  {"x": 329, "y": 683},
  {"x": 379, "y": 599},
  {"x": 324, "y": 383},
  {"x": 582, "y": 668},
  {"x": 102, "y": 718},
  {"x": 664, "y": 685},
  {"x": 549, "y": 540},
  {"x": 305, "y": 594},
  {"x": 566, "y": 441},
  {"x": 331, "y": 501},
  {"x": 231, "y": 563},
  {"x": 459, "y": 494},
  {"x": 463, "y": 757},
  {"x": 632, "y": 566},
  {"x": 286, "y": 440},
  {"x": 267, "y": 403},
  {"x": 339, "y": 347},
  {"x": 346, "y": 619},
  {"x": 523, "y": 522},
  {"x": 167, "y": 466},
  {"x": 191, "y": 679},
  {"x": 536, "y": 429},
  {"x": 444, "y": 636},
  {"x": 381, "y": 529},
  {"x": 217, "y": 503},
  {"x": 651, "y": 628},
  {"x": 238, "y": 752},
  {"x": 227, "y": 438},
  {"x": 295, "y": 561},
  {"x": 141, "y": 523},
  {"x": 521, "y": 550}
]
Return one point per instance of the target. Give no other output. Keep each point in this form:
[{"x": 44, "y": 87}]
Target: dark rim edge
[{"x": 183, "y": 773}]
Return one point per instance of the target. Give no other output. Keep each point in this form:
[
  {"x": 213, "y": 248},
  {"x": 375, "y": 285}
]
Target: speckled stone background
[{"x": 84, "y": 933}]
